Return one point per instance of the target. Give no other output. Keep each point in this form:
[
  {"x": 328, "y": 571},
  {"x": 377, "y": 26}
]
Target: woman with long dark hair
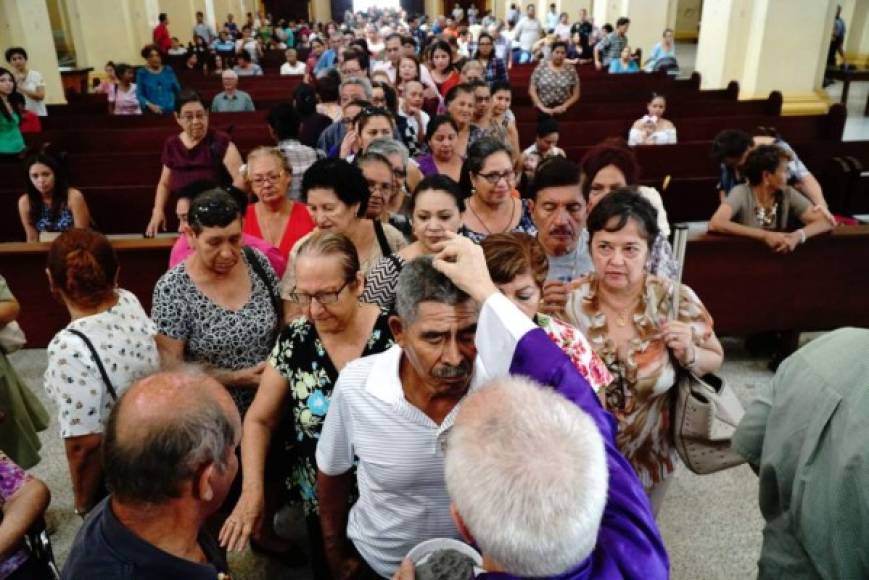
[
  {"x": 11, "y": 141},
  {"x": 50, "y": 204}
]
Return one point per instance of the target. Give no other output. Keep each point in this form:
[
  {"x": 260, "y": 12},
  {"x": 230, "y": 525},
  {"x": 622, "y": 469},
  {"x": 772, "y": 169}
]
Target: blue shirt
[
  {"x": 157, "y": 88},
  {"x": 616, "y": 67},
  {"x": 104, "y": 548},
  {"x": 326, "y": 61}
]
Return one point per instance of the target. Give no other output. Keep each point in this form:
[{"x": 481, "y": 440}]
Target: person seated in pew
[
  {"x": 183, "y": 247},
  {"x": 108, "y": 345},
  {"x": 766, "y": 207},
  {"x": 122, "y": 94},
  {"x": 156, "y": 84},
  {"x": 275, "y": 217},
  {"x": 626, "y": 63},
  {"x": 197, "y": 153},
  {"x": 611, "y": 165},
  {"x": 231, "y": 99},
  {"x": 50, "y": 205},
  {"x": 625, "y": 311},
  {"x": 653, "y": 128},
  {"x": 731, "y": 147},
  {"x": 292, "y": 67},
  {"x": 245, "y": 67}
]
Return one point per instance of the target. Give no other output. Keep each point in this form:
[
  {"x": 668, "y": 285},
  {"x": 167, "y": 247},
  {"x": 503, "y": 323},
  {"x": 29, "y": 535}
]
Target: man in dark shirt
[{"x": 170, "y": 458}]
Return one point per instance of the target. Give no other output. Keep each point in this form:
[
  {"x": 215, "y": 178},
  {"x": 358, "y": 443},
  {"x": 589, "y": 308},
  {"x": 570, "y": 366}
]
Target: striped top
[{"x": 403, "y": 497}]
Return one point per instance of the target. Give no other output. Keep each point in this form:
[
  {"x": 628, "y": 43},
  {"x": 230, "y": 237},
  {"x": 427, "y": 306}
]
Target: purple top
[
  {"x": 203, "y": 162},
  {"x": 427, "y": 165},
  {"x": 629, "y": 545},
  {"x": 12, "y": 478}
]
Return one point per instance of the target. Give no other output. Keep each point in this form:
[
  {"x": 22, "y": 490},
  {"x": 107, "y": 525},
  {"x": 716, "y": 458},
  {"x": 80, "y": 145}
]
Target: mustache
[
  {"x": 450, "y": 372},
  {"x": 564, "y": 230}
]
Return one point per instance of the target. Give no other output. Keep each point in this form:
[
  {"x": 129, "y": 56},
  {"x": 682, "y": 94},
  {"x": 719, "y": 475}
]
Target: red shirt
[
  {"x": 162, "y": 38},
  {"x": 299, "y": 224}
]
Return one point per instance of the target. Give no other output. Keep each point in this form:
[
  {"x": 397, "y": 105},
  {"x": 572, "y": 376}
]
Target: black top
[{"x": 105, "y": 549}]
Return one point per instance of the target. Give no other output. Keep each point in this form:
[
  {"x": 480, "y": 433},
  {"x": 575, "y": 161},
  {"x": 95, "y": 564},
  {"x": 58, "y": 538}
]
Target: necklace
[
  {"x": 621, "y": 316},
  {"x": 479, "y": 219}
]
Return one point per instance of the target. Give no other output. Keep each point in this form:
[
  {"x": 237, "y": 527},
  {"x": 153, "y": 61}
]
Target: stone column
[
  {"x": 26, "y": 23},
  {"x": 104, "y": 30}
]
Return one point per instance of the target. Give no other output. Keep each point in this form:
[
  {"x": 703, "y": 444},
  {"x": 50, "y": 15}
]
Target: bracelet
[{"x": 802, "y": 233}]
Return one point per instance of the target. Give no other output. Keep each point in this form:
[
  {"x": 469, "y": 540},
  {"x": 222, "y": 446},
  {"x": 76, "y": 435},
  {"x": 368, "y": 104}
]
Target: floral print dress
[
  {"x": 643, "y": 376},
  {"x": 300, "y": 357},
  {"x": 576, "y": 347}
]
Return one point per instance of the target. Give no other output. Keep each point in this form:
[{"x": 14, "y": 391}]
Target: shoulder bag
[{"x": 706, "y": 410}]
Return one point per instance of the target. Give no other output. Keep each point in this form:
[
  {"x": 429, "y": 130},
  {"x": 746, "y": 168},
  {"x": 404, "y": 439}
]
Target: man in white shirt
[
  {"x": 203, "y": 30},
  {"x": 392, "y": 52},
  {"x": 449, "y": 344},
  {"x": 292, "y": 67},
  {"x": 527, "y": 33},
  {"x": 551, "y": 18}
]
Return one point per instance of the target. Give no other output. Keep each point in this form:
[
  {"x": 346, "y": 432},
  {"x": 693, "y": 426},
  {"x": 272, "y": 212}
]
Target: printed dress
[
  {"x": 300, "y": 357},
  {"x": 638, "y": 396}
]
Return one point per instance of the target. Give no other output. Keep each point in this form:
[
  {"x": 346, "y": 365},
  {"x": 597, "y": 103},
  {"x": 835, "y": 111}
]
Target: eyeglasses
[
  {"x": 261, "y": 180},
  {"x": 188, "y": 118},
  {"x": 323, "y": 298},
  {"x": 399, "y": 172},
  {"x": 494, "y": 177},
  {"x": 376, "y": 186}
]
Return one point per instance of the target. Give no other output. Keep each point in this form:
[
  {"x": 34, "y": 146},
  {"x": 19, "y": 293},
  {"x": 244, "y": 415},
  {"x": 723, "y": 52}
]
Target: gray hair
[
  {"x": 153, "y": 467},
  {"x": 387, "y": 146},
  {"x": 515, "y": 435},
  {"x": 419, "y": 281},
  {"x": 362, "y": 82}
]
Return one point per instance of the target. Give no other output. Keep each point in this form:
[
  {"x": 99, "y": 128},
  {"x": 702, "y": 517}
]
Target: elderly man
[
  {"x": 805, "y": 434},
  {"x": 453, "y": 334},
  {"x": 169, "y": 455},
  {"x": 231, "y": 99},
  {"x": 558, "y": 210}
]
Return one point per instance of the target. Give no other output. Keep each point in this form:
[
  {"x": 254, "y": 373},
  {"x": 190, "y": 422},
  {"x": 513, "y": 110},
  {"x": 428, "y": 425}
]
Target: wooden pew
[
  {"x": 142, "y": 263},
  {"x": 748, "y": 288}
]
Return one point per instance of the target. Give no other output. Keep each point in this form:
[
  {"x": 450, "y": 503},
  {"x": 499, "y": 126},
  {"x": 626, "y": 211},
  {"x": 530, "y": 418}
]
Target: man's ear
[
  {"x": 203, "y": 484},
  {"x": 461, "y": 526},
  {"x": 530, "y": 206},
  {"x": 396, "y": 326}
]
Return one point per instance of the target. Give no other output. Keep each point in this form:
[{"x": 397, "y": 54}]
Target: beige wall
[
  {"x": 648, "y": 21},
  {"x": 321, "y": 10},
  {"x": 721, "y": 48},
  {"x": 686, "y": 21},
  {"x": 856, "y": 16},
  {"x": 26, "y": 23}
]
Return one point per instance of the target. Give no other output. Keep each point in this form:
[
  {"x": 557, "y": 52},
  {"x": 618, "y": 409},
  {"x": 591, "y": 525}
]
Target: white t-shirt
[
  {"x": 297, "y": 70},
  {"x": 33, "y": 81},
  {"x": 123, "y": 337}
]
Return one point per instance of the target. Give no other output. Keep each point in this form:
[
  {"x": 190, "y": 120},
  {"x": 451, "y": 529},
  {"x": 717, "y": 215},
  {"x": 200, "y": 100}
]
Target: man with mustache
[
  {"x": 558, "y": 209},
  {"x": 390, "y": 414}
]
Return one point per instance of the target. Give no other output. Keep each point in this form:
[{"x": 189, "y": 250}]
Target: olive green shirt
[{"x": 808, "y": 435}]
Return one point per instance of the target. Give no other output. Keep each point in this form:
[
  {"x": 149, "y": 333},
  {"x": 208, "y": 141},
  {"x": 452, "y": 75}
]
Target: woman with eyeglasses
[
  {"x": 494, "y": 67},
  {"x": 436, "y": 208},
  {"x": 489, "y": 179},
  {"x": 337, "y": 195},
  {"x": 299, "y": 379},
  {"x": 197, "y": 154},
  {"x": 274, "y": 218},
  {"x": 377, "y": 171}
]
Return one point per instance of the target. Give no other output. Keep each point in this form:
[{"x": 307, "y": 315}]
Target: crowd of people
[{"x": 359, "y": 317}]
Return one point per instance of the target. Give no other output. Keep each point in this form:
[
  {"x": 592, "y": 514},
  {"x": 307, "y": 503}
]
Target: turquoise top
[{"x": 11, "y": 140}]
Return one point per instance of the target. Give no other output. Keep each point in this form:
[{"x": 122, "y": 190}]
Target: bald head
[
  {"x": 516, "y": 435},
  {"x": 163, "y": 430},
  {"x": 229, "y": 79}
]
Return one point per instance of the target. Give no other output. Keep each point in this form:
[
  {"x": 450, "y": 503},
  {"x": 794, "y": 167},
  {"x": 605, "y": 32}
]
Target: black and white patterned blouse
[
  {"x": 214, "y": 335},
  {"x": 381, "y": 281}
]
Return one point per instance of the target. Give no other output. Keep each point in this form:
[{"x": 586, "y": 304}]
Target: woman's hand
[
  {"x": 157, "y": 223},
  {"x": 778, "y": 242},
  {"x": 155, "y": 109},
  {"x": 463, "y": 262},
  {"x": 250, "y": 376},
  {"x": 554, "y": 297},
  {"x": 348, "y": 144},
  {"x": 560, "y": 109},
  {"x": 244, "y": 521},
  {"x": 824, "y": 211},
  {"x": 680, "y": 340}
]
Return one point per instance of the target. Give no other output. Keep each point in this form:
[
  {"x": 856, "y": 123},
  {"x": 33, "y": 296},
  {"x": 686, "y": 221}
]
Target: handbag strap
[
  {"x": 381, "y": 238},
  {"x": 97, "y": 360},
  {"x": 261, "y": 274}
]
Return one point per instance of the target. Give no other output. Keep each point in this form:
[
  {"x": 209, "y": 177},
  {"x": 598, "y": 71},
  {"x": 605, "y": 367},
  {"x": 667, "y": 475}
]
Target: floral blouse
[
  {"x": 577, "y": 349},
  {"x": 300, "y": 357},
  {"x": 12, "y": 478},
  {"x": 525, "y": 226},
  {"x": 642, "y": 378}
]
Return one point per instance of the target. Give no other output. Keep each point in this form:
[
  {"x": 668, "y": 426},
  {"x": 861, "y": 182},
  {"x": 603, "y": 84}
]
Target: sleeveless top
[{"x": 54, "y": 223}]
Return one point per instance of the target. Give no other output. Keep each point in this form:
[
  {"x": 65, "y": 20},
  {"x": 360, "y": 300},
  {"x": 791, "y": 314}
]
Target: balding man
[
  {"x": 231, "y": 100},
  {"x": 169, "y": 455}
]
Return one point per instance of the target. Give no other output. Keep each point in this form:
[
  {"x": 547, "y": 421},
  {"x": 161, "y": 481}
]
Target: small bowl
[{"x": 421, "y": 551}]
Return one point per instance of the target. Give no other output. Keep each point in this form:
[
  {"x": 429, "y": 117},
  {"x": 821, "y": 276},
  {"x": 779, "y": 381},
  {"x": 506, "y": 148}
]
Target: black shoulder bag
[{"x": 97, "y": 360}]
